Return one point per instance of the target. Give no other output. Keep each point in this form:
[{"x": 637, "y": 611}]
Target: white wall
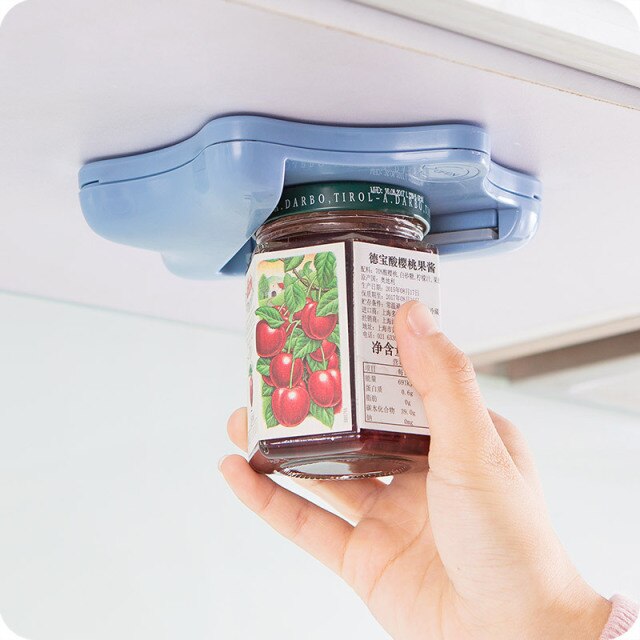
[
  {"x": 589, "y": 462},
  {"x": 114, "y": 522}
]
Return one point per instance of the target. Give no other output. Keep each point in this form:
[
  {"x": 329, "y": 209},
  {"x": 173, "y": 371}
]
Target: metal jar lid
[{"x": 352, "y": 196}]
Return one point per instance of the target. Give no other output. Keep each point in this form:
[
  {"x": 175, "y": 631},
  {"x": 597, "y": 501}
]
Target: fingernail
[
  {"x": 420, "y": 320},
  {"x": 221, "y": 461}
]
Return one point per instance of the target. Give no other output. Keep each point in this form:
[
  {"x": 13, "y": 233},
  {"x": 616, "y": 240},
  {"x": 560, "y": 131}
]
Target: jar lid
[{"x": 352, "y": 196}]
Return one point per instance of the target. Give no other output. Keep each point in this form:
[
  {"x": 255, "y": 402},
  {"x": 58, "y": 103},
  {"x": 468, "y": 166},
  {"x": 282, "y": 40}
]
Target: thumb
[{"x": 464, "y": 442}]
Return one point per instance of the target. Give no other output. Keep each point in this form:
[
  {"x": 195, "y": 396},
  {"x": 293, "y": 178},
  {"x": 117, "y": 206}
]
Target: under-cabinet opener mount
[{"x": 199, "y": 202}]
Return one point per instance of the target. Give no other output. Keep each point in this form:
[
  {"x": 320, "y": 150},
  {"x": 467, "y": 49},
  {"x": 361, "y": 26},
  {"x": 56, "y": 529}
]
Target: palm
[{"x": 389, "y": 557}]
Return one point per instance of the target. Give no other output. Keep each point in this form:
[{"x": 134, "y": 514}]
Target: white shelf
[{"x": 598, "y": 36}]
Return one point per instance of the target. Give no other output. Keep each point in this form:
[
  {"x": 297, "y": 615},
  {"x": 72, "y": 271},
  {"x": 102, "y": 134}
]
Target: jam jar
[{"x": 328, "y": 398}]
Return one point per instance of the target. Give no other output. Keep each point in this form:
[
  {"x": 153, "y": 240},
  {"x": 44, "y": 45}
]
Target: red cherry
[
  {"x": 280, "y": 370},
  {"x": 269, "y": 341},
  {"x": 304, "y": 316},
  {"x": 321, "y": 388},
  {"x": 324, "y": 326},
  {"x": 337, "y": 388},
  {"x": 268, "y": 380},
  {"x": 290, "y": 406},
  {"x": 317, "y": 327},
  {"x": 324, "y": 388},
  {"x": 298, "y": 314},
  {"x": 328, "y": 348},
  {"x": 334, "y": 361}
]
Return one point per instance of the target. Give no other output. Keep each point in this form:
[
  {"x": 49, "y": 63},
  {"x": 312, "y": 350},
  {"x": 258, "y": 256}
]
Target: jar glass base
[
  {"x": 346, "y": 456},
  {"x": 347, "y": 467}
]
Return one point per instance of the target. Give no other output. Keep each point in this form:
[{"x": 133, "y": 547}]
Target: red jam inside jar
[{"x": 328, "y": 398}]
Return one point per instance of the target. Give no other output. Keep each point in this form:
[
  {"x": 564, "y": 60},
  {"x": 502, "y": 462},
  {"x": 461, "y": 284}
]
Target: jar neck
[{"x": 337, "y": 223}]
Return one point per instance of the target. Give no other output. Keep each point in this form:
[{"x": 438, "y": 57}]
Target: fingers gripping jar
[{"x": 327, "y": 395}]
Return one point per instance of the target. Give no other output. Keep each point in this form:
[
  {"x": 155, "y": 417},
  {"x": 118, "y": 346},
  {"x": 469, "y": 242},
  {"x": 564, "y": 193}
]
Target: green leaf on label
[
  {"x": 325, "y": 415},
  {"x": 314, "y": 365},
  {"x": 328, "y": 303},
  {"x": 335, "y": 336},
  {"x": 293, "y": 262},
  {"x": 294, "y": 295},
  {"x": 271, "y": 315},
  {"x": 306, "y": 270},
  {"x": 293, "y": 336},
  {"x": 300, "y": 345},
  {"x": 325, "y": 264},
  {"x": 315, "y": 295},
  {"x": 267, "y": 411},
  {"x": 263, "y": 365},
  {"x": 273, "y": 260},
  {"x": 303, "y": 348},
  {"x": 267, "y": 391}
]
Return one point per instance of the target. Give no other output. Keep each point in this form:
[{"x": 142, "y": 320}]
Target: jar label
[
  {"x": 298, "y": 343},
  {"x": 384, "y": 278}
]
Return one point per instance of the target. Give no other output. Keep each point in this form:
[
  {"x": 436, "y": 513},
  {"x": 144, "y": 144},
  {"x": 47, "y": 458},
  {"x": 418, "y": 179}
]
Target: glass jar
[{"x": 328, "y": 398}]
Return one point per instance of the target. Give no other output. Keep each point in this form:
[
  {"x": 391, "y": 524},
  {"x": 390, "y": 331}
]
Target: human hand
[{"x": 464, "y": 551}]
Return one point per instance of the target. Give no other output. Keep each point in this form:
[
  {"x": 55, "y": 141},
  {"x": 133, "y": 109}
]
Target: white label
[
  {"x": 385, "y": 278},
  {"x": 297, "y": 313}
]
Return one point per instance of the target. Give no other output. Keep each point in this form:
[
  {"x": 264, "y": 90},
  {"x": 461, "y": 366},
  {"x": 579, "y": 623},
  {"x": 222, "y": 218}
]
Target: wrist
[
  {"x": 582, "y": 613},
  {"x": 623, "y": 621}
]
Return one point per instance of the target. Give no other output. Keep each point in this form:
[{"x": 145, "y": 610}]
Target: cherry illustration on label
[
  {"x": 269, "y": 340},
  {"x": 290, "y": 406},
  {"x": 317, "y": 327},
  {"x": 325, "y": 387},
  {"x": 324, "y": 352},
  {"x": 297, "y": 339},
  {"x": 285, "y": 371}
]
